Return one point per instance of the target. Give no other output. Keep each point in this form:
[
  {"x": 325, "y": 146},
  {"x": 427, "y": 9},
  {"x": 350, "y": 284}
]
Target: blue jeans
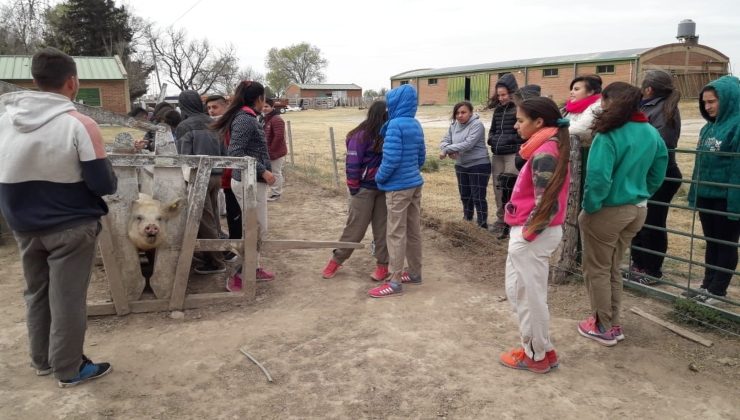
[{"x": 472, "y": 183}]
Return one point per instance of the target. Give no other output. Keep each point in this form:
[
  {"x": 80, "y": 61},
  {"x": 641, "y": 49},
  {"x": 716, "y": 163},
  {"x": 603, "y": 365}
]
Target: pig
[{"x": 147, "y": 228}]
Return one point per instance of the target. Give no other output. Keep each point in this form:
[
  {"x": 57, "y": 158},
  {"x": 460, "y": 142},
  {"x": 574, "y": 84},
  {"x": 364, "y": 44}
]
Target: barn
[
  {"x": 103, "y": 80},
  {"x": 323, "y": 95},
  {"x": 693, "y": 65}
]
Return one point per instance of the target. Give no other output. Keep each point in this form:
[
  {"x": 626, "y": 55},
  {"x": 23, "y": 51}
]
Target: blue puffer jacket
[{"x": 403, "y": 145}]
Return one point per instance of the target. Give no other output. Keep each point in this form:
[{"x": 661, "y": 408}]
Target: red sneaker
[
  {"x": 385, "y": 290},
  {"x": 264, "y": 275},
  {"x": 381, "y": 272},
  {"x": 234, "y": 283},
  {"x": 408, "y": 278},
  {"x": 590, "y": 328},
  {"x": 518, "y": 359},
  {"x": 552, "y": 359},
  {"x": 331, "y": 269}
]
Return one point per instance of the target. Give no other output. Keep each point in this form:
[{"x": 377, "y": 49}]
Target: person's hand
[
  {"x": 268, "y": 177},
  {"x": 140, "y": 144},
  {"x": 454, "y": 155},
  {"x": 442, "y": 155}
]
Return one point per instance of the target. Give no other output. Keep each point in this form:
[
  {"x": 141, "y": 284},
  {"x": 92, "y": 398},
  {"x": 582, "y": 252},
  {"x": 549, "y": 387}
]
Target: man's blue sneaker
[{"x": 88, "y": 371}]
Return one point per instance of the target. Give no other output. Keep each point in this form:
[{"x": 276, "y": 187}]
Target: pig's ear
[{"x": 173, "y": 208}]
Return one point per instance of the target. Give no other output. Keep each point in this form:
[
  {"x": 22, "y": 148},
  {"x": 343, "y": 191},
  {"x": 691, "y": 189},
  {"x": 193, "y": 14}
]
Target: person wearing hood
[
  {"x": 193, "y": 136},
  {"x": 52, "y": 180},
  {"x": 465, "y": 142},
  {"x": 504, "y": 142},
  {"x": 719, "y": 104},
  {"x": 158, "y": 116},
  {"x": 399, "y": 175}
]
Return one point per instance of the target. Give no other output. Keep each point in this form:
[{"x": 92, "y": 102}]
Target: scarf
[
  {"x": 638, "y": 116},
  {"x": 249, "y": 111},
  {"x": 536, "y": 140},
  {"x": 576, "y": 107}
]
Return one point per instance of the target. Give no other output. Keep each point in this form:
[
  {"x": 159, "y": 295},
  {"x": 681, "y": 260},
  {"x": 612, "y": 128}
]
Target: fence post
[
  {"x": 565, "y": 256},
  {"x": 290, "y": 144},
  {"x": 334, "y": 157}
]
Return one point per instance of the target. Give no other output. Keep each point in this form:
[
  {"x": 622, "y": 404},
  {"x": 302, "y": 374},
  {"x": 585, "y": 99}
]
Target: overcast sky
[{"x": 368, "y": 42}]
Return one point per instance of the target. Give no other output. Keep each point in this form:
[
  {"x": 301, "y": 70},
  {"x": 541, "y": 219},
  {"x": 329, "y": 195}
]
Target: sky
[{"x": 368, "y": 42}]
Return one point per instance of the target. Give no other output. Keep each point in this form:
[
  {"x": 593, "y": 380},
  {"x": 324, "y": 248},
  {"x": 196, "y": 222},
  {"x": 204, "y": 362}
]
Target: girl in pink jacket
[{"x": 535, "y": 213}]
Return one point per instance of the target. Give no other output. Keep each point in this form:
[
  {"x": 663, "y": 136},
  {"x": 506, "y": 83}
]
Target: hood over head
[
  {"x": 401, "y": 102},
  {"x": 29, "y": 110},
  {"x": 190, "y": 103},
  {"x": 509, "y": 82},
  {"x": 728, "y": 93}
]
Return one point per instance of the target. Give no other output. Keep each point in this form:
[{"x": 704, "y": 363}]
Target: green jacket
[
  {"x": 625, "y": 166},
  {"x": 719, "y": 134}
]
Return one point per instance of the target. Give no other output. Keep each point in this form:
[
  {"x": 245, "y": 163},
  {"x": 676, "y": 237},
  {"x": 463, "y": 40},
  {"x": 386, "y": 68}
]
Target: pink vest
[{"x": 522, "y": 198}]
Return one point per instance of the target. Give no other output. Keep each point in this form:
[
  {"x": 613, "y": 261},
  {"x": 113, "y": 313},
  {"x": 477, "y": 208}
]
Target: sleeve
[
  {"x": 446, "y": 140},
  {"x": 422, "y": 147},
  {"x": 184, "y": 142},
  {"x": 242, "y": 133},
  {"x": 733, "y": 194},
  {"x": 656, "y": 173},
  {"x": 97, "y": 171},
  {"x": 543, "y": 169},
  {"x": 581, "y": 127},
  {"x": 278, "y": 130},
  {"x": 475, "y": 134},
  {"x": 391, "y": 153},
  {"x": 490, "y": 130},
  {"x": 353, "y": 166},
  {"x": 599, "y": 170}
]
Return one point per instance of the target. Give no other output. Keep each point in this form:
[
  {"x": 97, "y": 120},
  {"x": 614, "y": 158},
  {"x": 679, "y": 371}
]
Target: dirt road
[{"x": 334, "y": 353}]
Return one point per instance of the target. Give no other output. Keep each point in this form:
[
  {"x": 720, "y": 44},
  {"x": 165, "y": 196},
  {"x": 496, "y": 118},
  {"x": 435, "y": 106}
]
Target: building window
[
  {"x": 89, "y": 96},
  {"x": 549, "y": 72},
  {"x": 432, "y": 82},
  {"x": 404, "y": 82},
  {"x": 605, "y": 69}
]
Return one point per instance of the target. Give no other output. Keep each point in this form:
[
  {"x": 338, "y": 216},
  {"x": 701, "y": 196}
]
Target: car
[{"x": 291, "y": 108}]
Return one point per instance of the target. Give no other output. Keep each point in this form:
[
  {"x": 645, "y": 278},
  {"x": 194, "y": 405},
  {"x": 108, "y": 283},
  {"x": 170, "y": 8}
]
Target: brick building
[
  {"x": 103, "y": 80},
  {"x": 318, "y": 93},
  {"x": 692, "y": 64}
]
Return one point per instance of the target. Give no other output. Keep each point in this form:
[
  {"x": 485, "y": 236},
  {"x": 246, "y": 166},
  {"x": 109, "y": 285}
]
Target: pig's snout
[{"x": 151, "y": 230}]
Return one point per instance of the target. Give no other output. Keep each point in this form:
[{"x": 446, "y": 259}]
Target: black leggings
[
  {"x": 472, "y": 183},
  {"x": 653, "y": 239},
  {"x": 233, "y": 214},
  {"x": 720, "y": 255}
]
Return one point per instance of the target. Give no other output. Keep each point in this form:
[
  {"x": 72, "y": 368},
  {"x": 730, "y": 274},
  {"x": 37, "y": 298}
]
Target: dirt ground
[{"x": 334, "y": 353}]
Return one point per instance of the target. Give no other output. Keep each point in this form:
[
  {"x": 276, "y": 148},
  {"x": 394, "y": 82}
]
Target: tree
[
  {"x": 193, "y": 64},
  {"x": 229, "y": 81},
  {"x": 91, "y": 28},
  {"x": 22, "y": 32},
  {"x": 370, "y": 93},
  {"x": 298, "y": 63},
  {"x": 382, "y": 92}
]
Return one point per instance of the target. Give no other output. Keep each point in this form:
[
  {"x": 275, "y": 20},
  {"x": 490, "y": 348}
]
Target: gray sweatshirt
[{"x": 469, "y": 140}]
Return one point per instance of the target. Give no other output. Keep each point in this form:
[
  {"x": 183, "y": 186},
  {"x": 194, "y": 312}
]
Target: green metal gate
[
  {"x": 455, "y": 90},
  {"x": 479, "y": 89}
]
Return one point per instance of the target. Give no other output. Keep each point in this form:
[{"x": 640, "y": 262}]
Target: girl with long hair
[
  {"x": 246, "y": 138},
  {"x": 465, "y": 142},
  {"x": 626, "y": 165},
  {"x": 536, "y": 212},
  {"x": 660, "y": 104},
  {"x": 583, "y": 105},
  {"x": 367, "y": 205}
]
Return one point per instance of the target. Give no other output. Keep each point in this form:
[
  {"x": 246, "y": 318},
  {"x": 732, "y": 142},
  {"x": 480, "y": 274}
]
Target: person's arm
[
  {"x": 97, "y": 171},
  {"x": 446, "y": 141},
  {"x": 656, "y": 173},
  {"x": 733, "y": 194},
  {"x": 278, "y": 130},
  {"x": 581, "y": 126},
  {"x": 475, "y": 135},
  {"x": 599, "y": 170},
  {"x": 242, "y": 134},
  {"x": 422, "y": 156},
  {"x": 353, "y": 166},
  {"x": 543, "y": 169},
  {"x": 391, "y": 153}
]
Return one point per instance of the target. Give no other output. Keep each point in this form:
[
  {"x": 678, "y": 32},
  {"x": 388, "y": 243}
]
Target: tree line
[{"x": 100, "y": 28}]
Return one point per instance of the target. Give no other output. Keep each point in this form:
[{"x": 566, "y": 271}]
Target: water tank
[{"x": 686, "y": 29}]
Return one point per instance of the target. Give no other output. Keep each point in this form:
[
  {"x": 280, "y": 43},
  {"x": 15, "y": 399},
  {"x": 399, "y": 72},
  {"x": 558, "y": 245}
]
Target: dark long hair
[
  {"x": 246, "y": 94},
  {"x": 376, "y": 117},
  {"x": 620, "y": 101},
  {"x": 592, "y": 82},
  {"x": 459, "y": 105},
  {"x": 545, "y": 108},
  {"x": 662, "y": 84}
]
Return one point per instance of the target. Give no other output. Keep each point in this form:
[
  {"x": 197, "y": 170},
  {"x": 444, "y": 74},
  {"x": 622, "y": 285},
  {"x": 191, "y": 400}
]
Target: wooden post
[
  {"x": 334, "y": 157},
  {"x": 113, "y": 271},
  {"x": 290, "y": 144},
  {"x": 250, "y": 231},
  {"x": 566, "y": 253}
]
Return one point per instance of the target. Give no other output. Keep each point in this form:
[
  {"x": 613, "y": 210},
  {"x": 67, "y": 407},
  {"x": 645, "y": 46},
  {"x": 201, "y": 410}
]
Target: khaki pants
[
  {"x": 606, "y": 235},
  {"x": 404, "y": 231},
  {"x": 209, "y": 227},
  {"x": 366, "y": 207},
  {"x": 499, "y": 165},
  {"x": 277, "y": 170},
  {"x": 527, "y": 270},
  {"x": 57, "y": 269}
]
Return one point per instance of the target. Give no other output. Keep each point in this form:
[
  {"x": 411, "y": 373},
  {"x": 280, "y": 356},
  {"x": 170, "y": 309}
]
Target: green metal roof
[
  {"x": 320, "y": 86},
  {"x": 18, "y": 67},
  {"x": 530, "y": 62}
]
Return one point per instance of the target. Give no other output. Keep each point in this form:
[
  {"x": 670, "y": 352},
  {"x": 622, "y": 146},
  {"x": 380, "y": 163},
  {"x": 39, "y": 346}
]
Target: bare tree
[
  {"x": 23, "y": 28},
  {"x": 192, "y": 64}
]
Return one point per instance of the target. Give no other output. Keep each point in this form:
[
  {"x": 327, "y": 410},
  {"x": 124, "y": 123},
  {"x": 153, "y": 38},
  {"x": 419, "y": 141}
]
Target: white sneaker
[{"x": 274, "y": 197}]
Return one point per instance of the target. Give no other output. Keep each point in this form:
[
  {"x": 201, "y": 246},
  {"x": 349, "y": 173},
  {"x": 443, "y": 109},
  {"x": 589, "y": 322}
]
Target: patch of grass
[
  {"x": 430, "y": 165},
  {"x": 690, "y": 313}
]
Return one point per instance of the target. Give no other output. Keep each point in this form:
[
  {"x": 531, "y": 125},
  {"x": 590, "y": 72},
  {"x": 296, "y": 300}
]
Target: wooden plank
[
  {"x": 334, "y": 157},
  {"x": 683, "y": 332},
  {"x": 204, "y": 299},
  {"x": 196, "y": 199},
  {"x": 119, "y": 214},
  {"x": 177, "y": 161},
  {"x": 249, "y": 252},
  {"x": 217, "y": 244},
  {"x": 566, "y": 254},
  {"x": 279, "y": 245},
  {"x": 137, "y": 307},
  {"x": 112, "y": 269},
  {"x": 169, "y": 186}
]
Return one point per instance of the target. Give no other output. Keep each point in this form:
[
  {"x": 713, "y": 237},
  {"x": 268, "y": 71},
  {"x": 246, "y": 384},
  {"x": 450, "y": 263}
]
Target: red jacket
[{"x": 275, "y": 136}]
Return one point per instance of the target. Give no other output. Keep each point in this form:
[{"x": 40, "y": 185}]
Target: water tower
[{"x": 687, "y": 32}]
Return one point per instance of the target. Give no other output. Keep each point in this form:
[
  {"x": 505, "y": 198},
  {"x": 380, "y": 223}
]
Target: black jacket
[
  {"x": 502, "y": 137},
  {"x": 193, "y": 136},
  {"x": 669, "y": 132}
]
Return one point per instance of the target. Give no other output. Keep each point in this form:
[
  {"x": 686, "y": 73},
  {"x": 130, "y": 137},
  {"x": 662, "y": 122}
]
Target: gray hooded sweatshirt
[{"x": 469, "y": 140}]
